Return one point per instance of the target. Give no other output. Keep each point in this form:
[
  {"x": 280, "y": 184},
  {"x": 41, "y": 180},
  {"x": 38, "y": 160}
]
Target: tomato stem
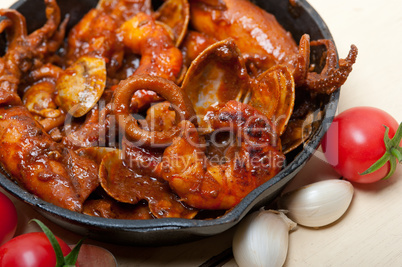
[
  {"x": 393, "y": 153},
  {"x": 61, "y": 261}
]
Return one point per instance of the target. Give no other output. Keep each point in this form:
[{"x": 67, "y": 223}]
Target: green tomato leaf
[
  {"x": 387, "y": 140},
  {"x": 71, "y": 258},
  {"x": 393, "y": 153},
  {"x": 61, "y": 261},
  {"x": 397, "y": 137},
  {"x": 378, "y": 164},
  {"x": 57, "y": 249},
  {"x": 392, "y": 163}
]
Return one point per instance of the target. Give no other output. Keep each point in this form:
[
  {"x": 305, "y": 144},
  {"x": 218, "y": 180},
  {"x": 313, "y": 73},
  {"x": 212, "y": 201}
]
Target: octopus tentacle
[
  {"x": 143, "y": 35},
  {"x": 15, "y": 26},
  {"x": 331, "y": 77},
  {"x": 302, "y": 60},
  {"x": 58, "y": 37},
  {"x": 24, "y": 51},
  {"x": 52, "y": 123},
  {"x": 4, "y": 24},
  {"x": 52, "y": 23},
  {"x": 167, "y": 89},
  {"x": 17, "y": 30}
]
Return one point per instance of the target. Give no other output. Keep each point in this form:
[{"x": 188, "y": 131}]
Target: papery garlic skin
[
  {"x": 318, "y": 204},
  {"x": 261, "y": 239}
]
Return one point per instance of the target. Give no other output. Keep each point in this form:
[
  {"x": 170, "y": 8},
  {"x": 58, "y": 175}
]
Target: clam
[
  {"x": 216, "y": 76},
  {"x": 274, "y": 95},
  {"x": 219, "y": 75},
  {"x": 130, "y": 186},
  {"x": 299, "y": 130},
  {"x": 81, "y": 85},
  {"x": 176, "y": 15}
]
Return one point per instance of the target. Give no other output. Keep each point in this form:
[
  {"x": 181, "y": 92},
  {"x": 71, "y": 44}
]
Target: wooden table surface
[{"x": 369, "y": 234}]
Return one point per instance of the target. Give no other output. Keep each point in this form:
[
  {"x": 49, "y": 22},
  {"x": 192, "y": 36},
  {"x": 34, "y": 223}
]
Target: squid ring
[{"x": 165, "y": 88}]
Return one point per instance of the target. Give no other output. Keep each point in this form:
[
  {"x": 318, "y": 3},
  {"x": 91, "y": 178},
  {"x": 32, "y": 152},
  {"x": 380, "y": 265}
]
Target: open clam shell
[
  {"x": 216, "y": 76},
  {"x": 300, "y": 130},
  {"x": 274, "y": 95},
  {"x": 81, "y": 85},
  {"x": 130, "y": 186},
  {"x": 176, "y": 15}
]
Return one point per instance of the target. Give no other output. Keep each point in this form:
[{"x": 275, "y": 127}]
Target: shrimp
[
  {"x": 204, "y": 184},
  {"x": 123, "y": 10},
  {"x": 193, "y": 44}
]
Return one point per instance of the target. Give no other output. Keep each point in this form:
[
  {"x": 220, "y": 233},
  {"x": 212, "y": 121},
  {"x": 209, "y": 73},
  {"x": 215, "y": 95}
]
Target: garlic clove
[
  {"x": 318, "y": 204},
  {"x": 262, "y": 238}
]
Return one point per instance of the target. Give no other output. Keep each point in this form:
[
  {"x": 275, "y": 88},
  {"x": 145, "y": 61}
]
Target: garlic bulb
[
  {"x": 318, "y": 204},
  {"x": 261, "y": 239}
]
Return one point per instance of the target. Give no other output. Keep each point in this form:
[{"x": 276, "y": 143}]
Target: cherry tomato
[
  {"x": 355, "y": 141},
  {"x": 8, "y": 221},
  {"x": 30, "y": 250}
]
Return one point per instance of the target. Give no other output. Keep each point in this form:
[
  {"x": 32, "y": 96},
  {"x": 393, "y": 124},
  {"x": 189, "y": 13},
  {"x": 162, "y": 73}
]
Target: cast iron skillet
[{"x": 296, "y": 19}]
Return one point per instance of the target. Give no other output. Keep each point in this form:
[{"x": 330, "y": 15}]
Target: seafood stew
[{"x": 180, "y": 110}]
